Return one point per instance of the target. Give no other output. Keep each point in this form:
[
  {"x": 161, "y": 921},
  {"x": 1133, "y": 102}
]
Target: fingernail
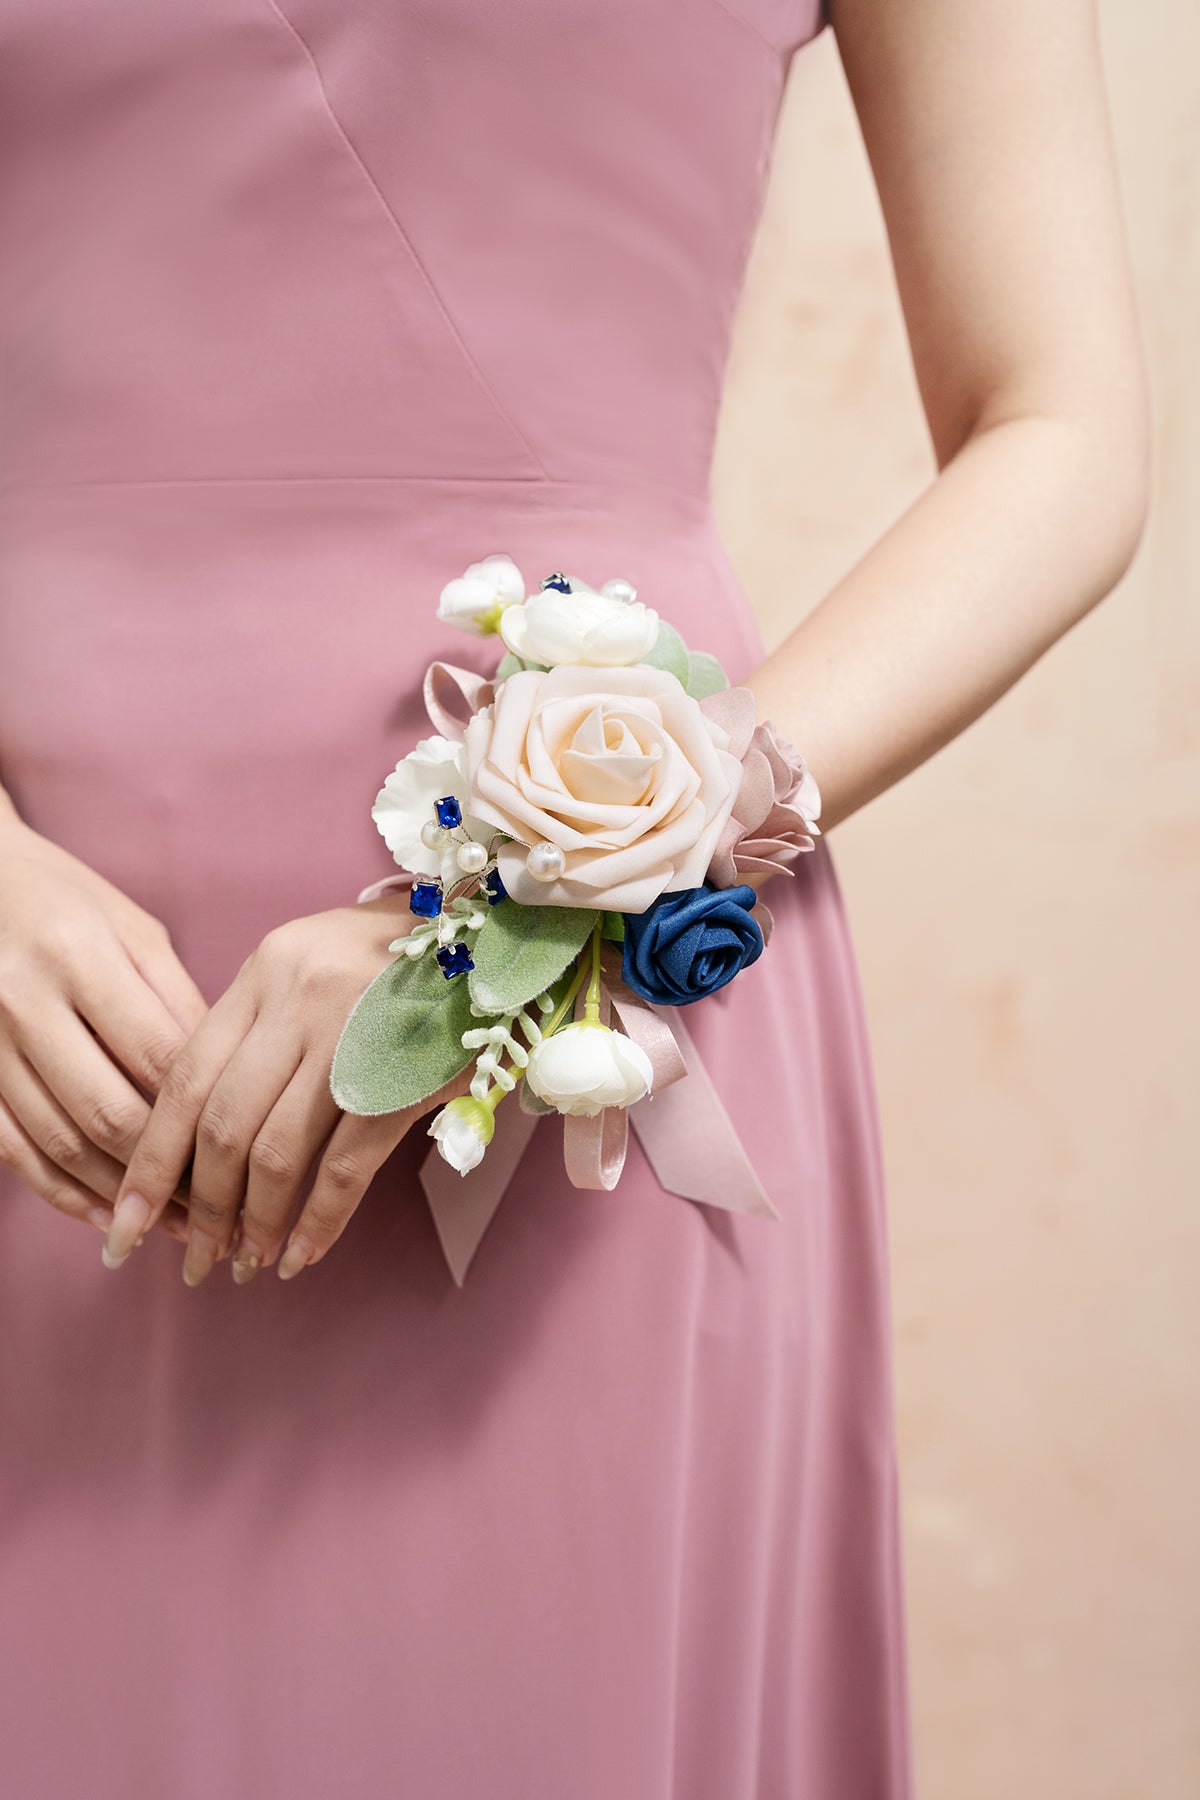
[
  {"x": 294, "y": 1258},
  {"x": 201, "y": 1255},
  {"x": 246, "y": 1265},
  {"x": 130, "y": 1220}
]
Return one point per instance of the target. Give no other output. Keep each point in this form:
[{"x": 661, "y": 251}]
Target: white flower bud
[
  {"x": 476, "y": 600},
  {"x": 463, "y": 1130},
  {"x": 585, "y": 1067}
]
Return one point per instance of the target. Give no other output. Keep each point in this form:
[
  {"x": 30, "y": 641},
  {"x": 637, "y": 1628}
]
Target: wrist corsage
[{"x": 577, "y": 838}]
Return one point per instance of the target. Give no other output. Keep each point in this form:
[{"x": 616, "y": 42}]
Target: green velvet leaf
[
  {"x": 669, "y": 652},
  {"x": 522, "y": 950},
  {"x": 403, "y": 1040},
  {"x": 612, "y": 927},
  {"x": 705, "y": 675}
]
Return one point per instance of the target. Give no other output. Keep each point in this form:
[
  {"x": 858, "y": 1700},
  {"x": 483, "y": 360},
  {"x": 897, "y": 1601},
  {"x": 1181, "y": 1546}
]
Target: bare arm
[
  {"x": 987, "y": 131},
  {"x": 9, "y": 817}
]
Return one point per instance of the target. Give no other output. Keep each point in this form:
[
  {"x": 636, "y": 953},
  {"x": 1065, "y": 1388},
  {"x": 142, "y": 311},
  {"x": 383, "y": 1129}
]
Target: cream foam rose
[
  {"x": 582, "y": 626},
  {"x": 619, "y": 769}
]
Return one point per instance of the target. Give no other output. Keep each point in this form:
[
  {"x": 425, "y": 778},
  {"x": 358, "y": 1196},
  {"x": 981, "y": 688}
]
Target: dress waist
[{"x": 217, "y": 676}]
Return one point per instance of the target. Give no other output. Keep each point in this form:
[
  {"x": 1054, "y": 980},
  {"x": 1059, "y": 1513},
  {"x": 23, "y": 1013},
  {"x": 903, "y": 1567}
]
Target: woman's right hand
[{"x": 94, "y": 1005}]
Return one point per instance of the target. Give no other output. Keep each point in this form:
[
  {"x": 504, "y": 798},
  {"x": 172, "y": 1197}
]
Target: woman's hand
[
  {"x": 94, "y": 1005},
  {"x": 248, "y": 1099}
]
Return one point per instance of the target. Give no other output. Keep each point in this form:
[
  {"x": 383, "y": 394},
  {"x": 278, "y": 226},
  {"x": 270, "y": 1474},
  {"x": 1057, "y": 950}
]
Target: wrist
[{"x": 778, "y": 803}]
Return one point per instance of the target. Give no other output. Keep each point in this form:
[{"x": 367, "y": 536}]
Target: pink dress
[{"x": 304, "y": 305}]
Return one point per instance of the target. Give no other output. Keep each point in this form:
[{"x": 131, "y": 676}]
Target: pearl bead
[
  {"x": 618, "y": 589},
  {"x": 545, "y": 862},
  {"x": 433, "y": 835},
  {"x": 472, "y": 858}
]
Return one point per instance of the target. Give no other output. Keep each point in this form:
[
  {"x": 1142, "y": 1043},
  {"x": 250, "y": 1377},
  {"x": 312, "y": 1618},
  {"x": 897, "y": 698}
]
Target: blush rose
[{"x": 619, "y": 768}]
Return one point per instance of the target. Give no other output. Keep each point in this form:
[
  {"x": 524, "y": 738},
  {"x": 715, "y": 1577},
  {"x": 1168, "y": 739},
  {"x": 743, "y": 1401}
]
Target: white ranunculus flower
[
  {"x": 476, "y": 600},
  {"x": 463, "y": 1130},
  {"x": 434, "y": 769},
  {"x": 580, "y": 627},
  {"x": 585, "y": 1067}
]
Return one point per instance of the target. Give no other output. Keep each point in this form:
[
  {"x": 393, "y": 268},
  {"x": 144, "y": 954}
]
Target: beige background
[{"x": 1026, "y": 909}]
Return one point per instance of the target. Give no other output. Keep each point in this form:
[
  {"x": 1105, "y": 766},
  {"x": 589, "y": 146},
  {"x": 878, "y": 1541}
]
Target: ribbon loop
[{"x": 452, "y": 695}]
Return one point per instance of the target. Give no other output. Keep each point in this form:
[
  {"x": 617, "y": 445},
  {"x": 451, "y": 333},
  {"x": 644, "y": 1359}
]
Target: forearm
[{"x": 1025, "y": 529}]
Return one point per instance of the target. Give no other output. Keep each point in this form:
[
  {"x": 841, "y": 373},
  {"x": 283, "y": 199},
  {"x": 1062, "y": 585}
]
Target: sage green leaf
[
  {"x": 403, "y": 1040},
  {"x": 669, "y": 652},
  {"x": 508, "y": 665},
  {"x": 522, "y": 950},
  {"x": 612, "y": 927},
  {"x": 705, "y": 675}
]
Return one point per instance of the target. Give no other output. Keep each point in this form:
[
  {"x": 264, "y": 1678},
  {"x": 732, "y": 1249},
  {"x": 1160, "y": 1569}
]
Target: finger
[
  {"x": 31, "y": 1165},
  {"x": 130, "y": 1019},
  {"x": 257, "y": 1073},
  {"x": 85, "y": 1081},
  {"x": 24, "y": 1156},
  {"x": 357, "y": 1147},
  {"x": 158, "y": 964},
  {"x": 52, "y": 1129},
  {"x": 281, "y": 1155},
  {"x": 166, "y": 1145}
]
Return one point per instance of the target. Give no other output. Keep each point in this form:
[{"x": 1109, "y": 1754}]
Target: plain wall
[{"x": 1026, "y": 908}]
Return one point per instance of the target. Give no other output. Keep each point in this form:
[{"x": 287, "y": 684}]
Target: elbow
[
  {"x": 1102, "y": 452},
  {"x": 1122, "y": 458}
]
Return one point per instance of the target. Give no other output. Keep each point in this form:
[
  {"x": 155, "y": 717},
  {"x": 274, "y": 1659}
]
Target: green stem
[
  {"x": 494, "y": 1095},
  {"x": 568, "y": 1000},
  {"x": 591, "y": 1012}
]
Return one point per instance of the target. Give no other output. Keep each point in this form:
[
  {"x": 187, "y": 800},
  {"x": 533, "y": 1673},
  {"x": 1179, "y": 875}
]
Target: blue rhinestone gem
[
  {"x": 454, "y": 959},
  {"x": 493, "y": 887},
  {"x": 557, "y": 581},
  {"x": 449, "y": 812},
  {"x": 425, "y": 899}
]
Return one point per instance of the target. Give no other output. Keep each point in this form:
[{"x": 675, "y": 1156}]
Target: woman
[{"x": 306, "y": 306}]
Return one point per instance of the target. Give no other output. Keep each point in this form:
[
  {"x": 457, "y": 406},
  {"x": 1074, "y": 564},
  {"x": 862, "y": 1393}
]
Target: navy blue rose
[{"x": 690, "y": 944}]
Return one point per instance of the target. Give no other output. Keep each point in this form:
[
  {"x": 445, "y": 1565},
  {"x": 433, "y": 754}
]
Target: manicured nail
[
  {"x": 245, "y": 1266},
  {"x": 201, "y": 1255},
  {"x": 130, "y": 1220},
  {"x": 294, "y": 1258}
]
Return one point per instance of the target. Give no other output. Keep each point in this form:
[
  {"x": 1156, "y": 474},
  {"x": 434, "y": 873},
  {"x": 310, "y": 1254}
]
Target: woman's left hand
[{"x": 247, "y": 1100}]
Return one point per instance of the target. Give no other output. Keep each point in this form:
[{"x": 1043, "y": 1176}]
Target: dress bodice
[{"x": 276, "y": 239}]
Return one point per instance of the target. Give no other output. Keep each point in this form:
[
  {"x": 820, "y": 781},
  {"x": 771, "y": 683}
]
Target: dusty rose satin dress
[{"x": 303, "y": 306}]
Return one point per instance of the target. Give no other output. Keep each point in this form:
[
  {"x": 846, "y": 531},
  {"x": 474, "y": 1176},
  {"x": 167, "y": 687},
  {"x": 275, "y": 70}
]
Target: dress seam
[
  {"x": 701, "y": 499},
  {"x": 435, "y": 295},
  {"x": 752, "y": 30}
]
